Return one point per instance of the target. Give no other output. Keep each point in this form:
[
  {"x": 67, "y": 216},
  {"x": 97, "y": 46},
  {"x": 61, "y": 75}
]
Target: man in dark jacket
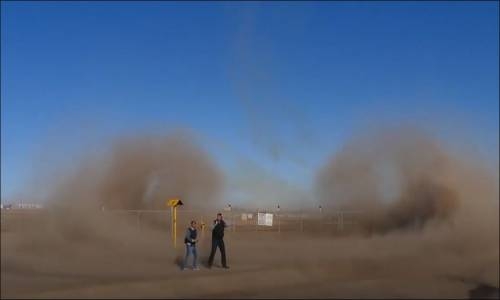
[{"x": 218, "y": 241}]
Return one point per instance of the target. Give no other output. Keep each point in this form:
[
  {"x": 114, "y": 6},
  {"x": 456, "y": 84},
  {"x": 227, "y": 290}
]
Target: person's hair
[
  {"x": 193, "y": 222},
  {"x": 219, "y": 214}
]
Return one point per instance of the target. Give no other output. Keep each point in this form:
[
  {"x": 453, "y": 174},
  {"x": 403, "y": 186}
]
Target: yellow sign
[{"x": 174, "y": 202}]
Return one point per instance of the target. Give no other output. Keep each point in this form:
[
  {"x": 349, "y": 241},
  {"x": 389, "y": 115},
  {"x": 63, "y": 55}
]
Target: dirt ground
[{"x": 38, "y": 264}]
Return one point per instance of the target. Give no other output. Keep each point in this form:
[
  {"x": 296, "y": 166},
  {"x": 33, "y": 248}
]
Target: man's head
[
  {"x": 193, "y": 224},
  {"x": 219, "y": 216}
]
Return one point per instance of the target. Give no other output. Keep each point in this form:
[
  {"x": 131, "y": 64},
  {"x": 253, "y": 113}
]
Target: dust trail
[
  {"x": 416, "y": 195},
  {"x": 277, "y": 125},
  {"x": 402, "y": 177}
]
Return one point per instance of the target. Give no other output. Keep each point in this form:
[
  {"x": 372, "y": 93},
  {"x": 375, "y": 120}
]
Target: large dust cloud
[
  {"x": 134, "y": 172},
  {"x": 397, "y": 179},
  {"x": 418, "y": 197}
]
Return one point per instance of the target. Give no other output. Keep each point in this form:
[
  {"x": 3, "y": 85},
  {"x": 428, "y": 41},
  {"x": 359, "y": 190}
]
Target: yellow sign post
[{"x": 173, "y": 203}]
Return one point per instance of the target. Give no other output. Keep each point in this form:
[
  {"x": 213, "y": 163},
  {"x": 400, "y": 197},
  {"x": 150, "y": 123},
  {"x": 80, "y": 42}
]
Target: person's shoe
[
  {"x": 225, "y": 267},
  {"x": 210, "y": 266},
  {"x": 196, "y": 269}
]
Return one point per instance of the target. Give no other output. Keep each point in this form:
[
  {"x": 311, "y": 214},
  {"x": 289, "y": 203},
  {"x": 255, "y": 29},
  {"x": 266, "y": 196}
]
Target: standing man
[
  {"x": 190, "y": 240},
  {"x": 218, "y": 241}
]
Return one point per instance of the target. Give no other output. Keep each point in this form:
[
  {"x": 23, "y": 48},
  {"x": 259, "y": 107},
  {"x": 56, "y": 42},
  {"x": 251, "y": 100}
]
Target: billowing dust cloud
[
  {"x": 141, "y": 172},
  {"x": 135, "y": 172},
  {"x": 144, "y": 171},
  {"x": 417, "y": 197},
  {"x": 398, "y": 179}
]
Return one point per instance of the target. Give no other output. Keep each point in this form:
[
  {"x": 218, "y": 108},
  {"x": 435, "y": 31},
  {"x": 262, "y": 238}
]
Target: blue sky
[{"x": 280, "y": 84}]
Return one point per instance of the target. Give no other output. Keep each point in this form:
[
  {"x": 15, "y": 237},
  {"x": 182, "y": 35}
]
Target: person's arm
[
  {"x": 187, "y": 236},
  {"x": 214, "y": 224}
]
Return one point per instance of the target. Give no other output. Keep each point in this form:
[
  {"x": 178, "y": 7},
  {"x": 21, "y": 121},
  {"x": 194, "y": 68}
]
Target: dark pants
[{"x": 217, "y": 243}]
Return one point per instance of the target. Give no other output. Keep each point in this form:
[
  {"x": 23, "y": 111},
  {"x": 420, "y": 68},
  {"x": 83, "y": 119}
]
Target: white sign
[
  {"x": 243, "y": 217},
  {"x": 265, "y": 219},
  {"x": 261, "y": 219},
  {"x": 269, "y": 219},
  {"x": 249, "y": 216}
]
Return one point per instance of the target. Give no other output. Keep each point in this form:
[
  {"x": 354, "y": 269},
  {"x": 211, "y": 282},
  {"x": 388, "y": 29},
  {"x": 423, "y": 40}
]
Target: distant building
[
  {"x": 29, "y": 206},
  {"x": 6, "y": 206}
]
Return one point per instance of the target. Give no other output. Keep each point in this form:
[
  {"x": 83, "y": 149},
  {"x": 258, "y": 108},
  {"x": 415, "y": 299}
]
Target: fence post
[
  {"x": 279, "y": 223},
  {"x": 234, "y": 225},
  {"x": 301, "y": 222},
  {"x": 279, "y": 218},
  {"x": 257, "y": 221},
  {"x": 342, "y": 221},
  {"x": 337, "y": 221},
  {"x": 139, "y": 219}
]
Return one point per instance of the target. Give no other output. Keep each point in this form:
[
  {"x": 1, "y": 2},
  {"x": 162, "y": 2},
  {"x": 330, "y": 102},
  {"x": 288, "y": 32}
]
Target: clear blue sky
[{"x": 306, "y": 74}]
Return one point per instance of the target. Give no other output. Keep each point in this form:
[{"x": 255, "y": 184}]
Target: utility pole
[
  {"x": 279, "y": 219},
  {"x": 231, "y": 217}
]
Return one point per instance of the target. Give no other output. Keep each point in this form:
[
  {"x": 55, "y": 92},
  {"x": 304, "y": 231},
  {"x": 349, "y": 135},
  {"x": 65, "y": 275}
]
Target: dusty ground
[{"x": 263, "y": 264}]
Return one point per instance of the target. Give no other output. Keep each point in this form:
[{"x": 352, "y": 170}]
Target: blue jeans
[{"x": 190, "y": 249}]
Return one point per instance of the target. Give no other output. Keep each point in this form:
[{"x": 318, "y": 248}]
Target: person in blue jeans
[{"x": 190, "y": 240}]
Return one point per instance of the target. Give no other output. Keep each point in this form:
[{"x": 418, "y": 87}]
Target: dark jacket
[
  {"x": 190, "y": 236},
  {"x": 218, "y": 229}
]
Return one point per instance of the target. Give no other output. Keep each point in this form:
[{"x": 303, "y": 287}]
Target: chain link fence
[
  {"x": 335, "y": 222},
  {"x": 245, "y": 221}
]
